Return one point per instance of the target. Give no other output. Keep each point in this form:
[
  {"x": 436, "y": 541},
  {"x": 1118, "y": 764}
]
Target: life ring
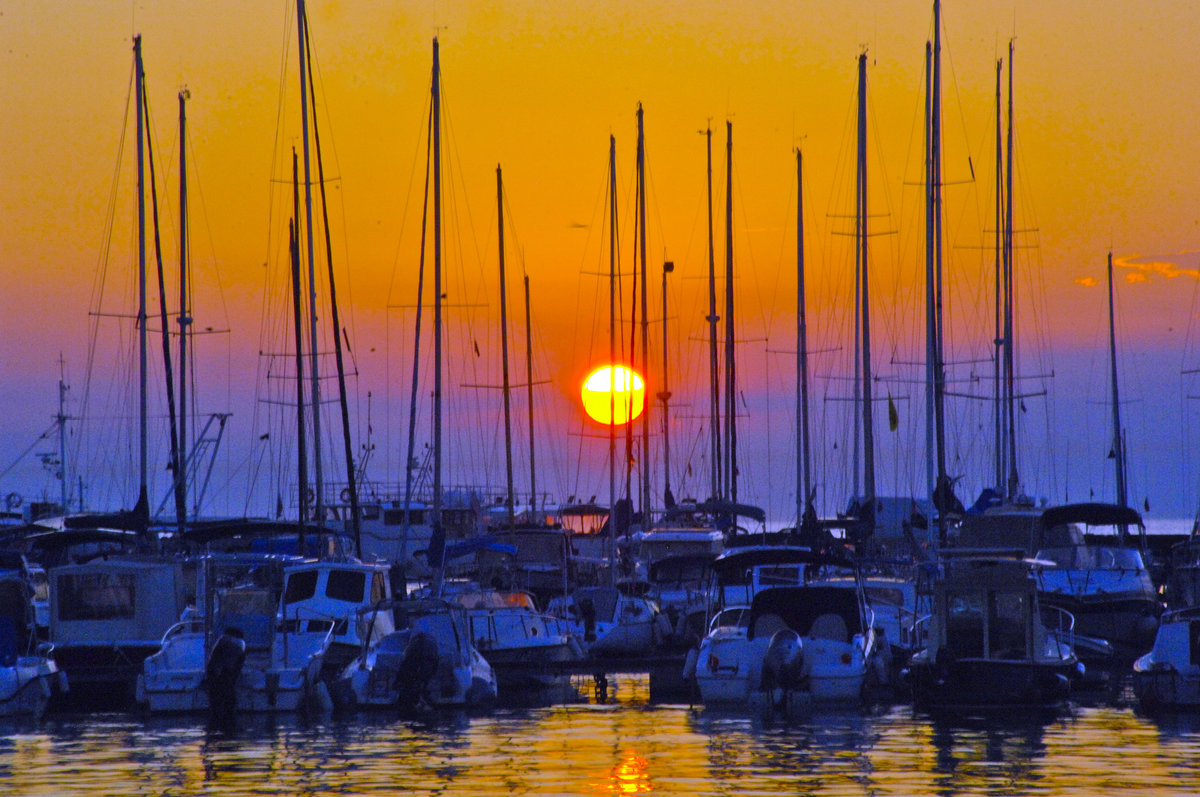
[
  {"x": 346, "y": 495},
  {"x": 13, "y": 500},
  {"x": 310, "y": 496}
]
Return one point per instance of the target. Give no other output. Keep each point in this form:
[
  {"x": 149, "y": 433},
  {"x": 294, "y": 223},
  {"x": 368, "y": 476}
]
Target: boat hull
[{"x": 990, "y": 683}]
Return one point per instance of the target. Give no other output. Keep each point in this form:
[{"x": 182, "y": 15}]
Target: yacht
[{"x": 990, "y": 642}]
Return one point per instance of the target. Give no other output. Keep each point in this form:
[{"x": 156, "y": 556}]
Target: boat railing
[
  {"x": 192, "y": 625},
  {"x": 1182, "y": 614},
  {"x": 1060, "y": 627},
  {"x": 918, "y": 633}
]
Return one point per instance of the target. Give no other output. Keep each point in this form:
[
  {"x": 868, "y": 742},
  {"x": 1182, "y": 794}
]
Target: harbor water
[{"x": 625, "y": 745}]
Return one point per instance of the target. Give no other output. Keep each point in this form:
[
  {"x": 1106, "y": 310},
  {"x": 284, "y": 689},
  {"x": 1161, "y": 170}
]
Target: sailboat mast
[
  {"x": 529, "y": 401},
  {"x": 298, "y": 327},
  {"x": 943, "y": 489},
  {"x": 61, "y": 421},
  {"x": 930, "y": 319},
  {"x": 437, "y": 305},
  {"x": 143, "y": 352},
  {"x": 644, "y": 470},
  {"x": 314, "y": 369},
  {"x": 860, "y": 226},
  {"x": 339, "y": 360},
  {"x": 508, "y": 465},
  {"x": 664, "y": 395},
  {"x": 999, "y": 342},
  {"x": 416, "y": 360},
  {"x": 713, "y": 318},
  {"x": 804, "y": 462},
  {"x": 612, "y": 356},
  {"x": 1009, "y": 353},
  {"x": 1118, "y": 441},
  {"x": 730, "y": 358},
  {"x": 184, "y": 316}
]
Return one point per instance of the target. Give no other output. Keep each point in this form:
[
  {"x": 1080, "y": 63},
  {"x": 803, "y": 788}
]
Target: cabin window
[
  {"x": 96, "y": 596},
  {"x": 1008, "y": 614},
  {"x": 346, "y": 585},
  {"x": 964, "y": 624},
  {"x": 300, "y": 586},
  {"x": 395, "y": 517},
  {"x": 378, "y": 587},
  {"x": 779, "y": 576}
]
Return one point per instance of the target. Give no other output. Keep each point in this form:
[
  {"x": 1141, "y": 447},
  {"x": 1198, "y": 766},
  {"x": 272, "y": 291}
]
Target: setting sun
[{"x": 607, "y": 397}]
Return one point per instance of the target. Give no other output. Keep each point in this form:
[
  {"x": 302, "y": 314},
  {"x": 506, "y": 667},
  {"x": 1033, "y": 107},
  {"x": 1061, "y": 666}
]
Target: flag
[{"x": 893, "y": 415}]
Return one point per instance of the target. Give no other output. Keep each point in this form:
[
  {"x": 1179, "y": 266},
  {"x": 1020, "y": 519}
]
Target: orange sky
[{"x": 1105, "y": 115}]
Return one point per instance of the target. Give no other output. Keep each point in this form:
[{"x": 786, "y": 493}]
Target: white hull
[
  {"x": 1169, "y": 675},
  {"x": 26, "y": 687},
  {"x": 737, "y": 680}
]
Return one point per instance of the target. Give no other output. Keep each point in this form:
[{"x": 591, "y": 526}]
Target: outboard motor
[
  {"x": 417, "y": 669},
  {"x": 221, "y": 675},
  {"x": 588, "y": 609},
  {"x": 783, "y": 663}
]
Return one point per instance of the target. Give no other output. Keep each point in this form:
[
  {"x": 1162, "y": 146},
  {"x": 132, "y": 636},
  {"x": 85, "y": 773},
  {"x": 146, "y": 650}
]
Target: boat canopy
[
  {"x": 1091, "y": 514},
  {"x": 716, "y": 509},
  {"x": 757, "y": 555}
]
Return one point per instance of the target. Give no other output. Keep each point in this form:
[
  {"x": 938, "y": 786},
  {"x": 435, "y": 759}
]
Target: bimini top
[
  {"x": 757, "y": 555},
  {"x": 716, "y": 509},
  {"x": 1091, "y": 514}
]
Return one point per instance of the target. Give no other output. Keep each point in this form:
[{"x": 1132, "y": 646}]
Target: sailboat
[
  {"x": 108, "y": 614},
  {"x": 609, "y": 621},
  {"x": 417, "y": 653}
]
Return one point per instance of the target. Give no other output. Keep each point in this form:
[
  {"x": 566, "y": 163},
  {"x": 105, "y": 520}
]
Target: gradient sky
[{"x": 1106, "y": 113}]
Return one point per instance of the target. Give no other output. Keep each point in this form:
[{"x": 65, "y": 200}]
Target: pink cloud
[{"x": 1142, "y": 267}]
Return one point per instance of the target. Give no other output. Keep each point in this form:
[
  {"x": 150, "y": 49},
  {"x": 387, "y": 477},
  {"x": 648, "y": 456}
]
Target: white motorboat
[
  {"x": 527, "y": 648},
  {"x": 797, "y": 644},
  {"x": 28, "y": 675},
  {"x": 278, "y": 670},
  {"x": 611, "y": 623},
  {"x": 425, "y": 660},
  {"x": 1104, "y": 584},
  {"x": 1168, "y": 677}
]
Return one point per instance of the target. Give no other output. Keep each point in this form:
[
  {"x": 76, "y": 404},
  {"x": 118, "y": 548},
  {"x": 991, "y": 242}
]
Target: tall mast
[
  {"x": 644, "y": 493},
  {"x": 298, "y": 329},
  {"x": 612, "y": 356},
  {"x": 1118, "y": 442},
  {"x": 930, "y": 317},
  {"x": 860, "y": 229},
  {"x": 339, "y": 361},
  {"x": 1000, "y": 343},
  {"x": 730, "y": 358},
  {"x": 1009, "y": 344},
  {"x": 437, "y": 307},
  {"x": 664, "y": 395},
  {"x": 314, "y": 369},
  {"x": 803, "y": 462},
  {"x": 143, "y": 354},
  {"x": 529, "y": 401},
  {"x": 713, "y": 363},
  {"x": 416, "y": 359},
  {"x": 184, "y": 317},
  {"x": 943, "y": 491},
  {"x": 508, "y": 465},
  {"x": 61, "y": 421}
]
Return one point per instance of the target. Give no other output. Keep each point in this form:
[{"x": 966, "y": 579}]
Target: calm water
[{"x": 626, "y": 746}]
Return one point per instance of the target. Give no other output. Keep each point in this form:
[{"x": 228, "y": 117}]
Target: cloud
[
  {"x": 1087, "y": 282},
  {"x": 1141, "y": 268}
]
